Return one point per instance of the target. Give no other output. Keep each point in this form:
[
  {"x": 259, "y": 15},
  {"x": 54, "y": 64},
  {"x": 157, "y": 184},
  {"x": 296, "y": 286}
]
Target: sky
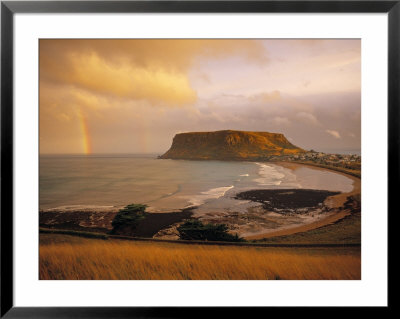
[{"x": 133, "y": 96}]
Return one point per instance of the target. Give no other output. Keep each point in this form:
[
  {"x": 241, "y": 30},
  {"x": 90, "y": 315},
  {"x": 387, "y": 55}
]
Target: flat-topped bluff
[{"x": 229, "y": 145}]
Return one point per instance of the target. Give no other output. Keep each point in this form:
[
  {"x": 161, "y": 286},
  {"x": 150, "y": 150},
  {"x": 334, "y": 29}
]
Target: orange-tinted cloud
[
  {"x": 152, "y": 70},
  {"x": 132, "y": 96},
  {"x": 266, "y": 97},
  {"x": 333, "y": 133}
]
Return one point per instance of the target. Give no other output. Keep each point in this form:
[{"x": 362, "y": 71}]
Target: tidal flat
[{"x": 175, "y": 190}]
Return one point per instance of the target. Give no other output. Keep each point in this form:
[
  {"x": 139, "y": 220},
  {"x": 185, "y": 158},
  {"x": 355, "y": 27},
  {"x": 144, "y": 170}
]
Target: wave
[
  {"x": 212, "y": 193},
  {"x": 269, "y": 175},
  {"x": 276, "y": 176}
]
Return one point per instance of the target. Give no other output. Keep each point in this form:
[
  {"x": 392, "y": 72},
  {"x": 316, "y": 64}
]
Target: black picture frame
[{"x": 9, "y": 8}]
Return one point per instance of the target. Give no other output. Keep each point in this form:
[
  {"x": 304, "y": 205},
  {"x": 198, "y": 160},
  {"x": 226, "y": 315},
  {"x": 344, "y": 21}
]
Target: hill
[{"x": 229, "y": 145}]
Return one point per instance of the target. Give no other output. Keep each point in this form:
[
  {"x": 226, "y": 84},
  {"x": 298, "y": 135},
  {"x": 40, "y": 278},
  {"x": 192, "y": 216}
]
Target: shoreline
[
  {"x": 337, "y": 169},
  {"x": 99, "y": 219},
  {"x": 335, "y": 202}
]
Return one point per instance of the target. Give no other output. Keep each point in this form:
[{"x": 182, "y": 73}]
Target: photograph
[{"x": 199, "y": 159}]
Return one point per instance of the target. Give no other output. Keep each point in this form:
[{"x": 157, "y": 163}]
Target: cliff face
[{"x": 229, "y": 145}]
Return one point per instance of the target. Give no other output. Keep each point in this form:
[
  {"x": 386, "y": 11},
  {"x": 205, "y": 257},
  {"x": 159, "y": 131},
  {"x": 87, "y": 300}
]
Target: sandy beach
[
  {"x": 288, "y": 211},
  {"x": 336, "y": 203}
]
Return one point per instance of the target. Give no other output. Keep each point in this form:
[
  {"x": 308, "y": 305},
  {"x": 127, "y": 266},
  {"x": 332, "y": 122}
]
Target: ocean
[{"x": 101, "y": 182}]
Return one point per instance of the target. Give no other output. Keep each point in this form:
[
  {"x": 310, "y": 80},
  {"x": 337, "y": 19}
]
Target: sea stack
[{"x": 229, "y": 145}]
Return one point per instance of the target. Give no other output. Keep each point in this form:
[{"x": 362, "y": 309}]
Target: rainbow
[{"x": 86, "y": 140}]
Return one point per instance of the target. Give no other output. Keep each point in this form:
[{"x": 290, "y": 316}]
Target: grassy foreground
[
  {"x": 344, "y": 231},
  {"x": 68, "y": 257}
]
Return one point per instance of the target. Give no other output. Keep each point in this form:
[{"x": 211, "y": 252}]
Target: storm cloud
[{"x": 135, "y": 95}]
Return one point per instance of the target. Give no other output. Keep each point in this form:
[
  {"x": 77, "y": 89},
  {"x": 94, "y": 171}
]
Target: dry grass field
[{"x": 71, "y": 258}]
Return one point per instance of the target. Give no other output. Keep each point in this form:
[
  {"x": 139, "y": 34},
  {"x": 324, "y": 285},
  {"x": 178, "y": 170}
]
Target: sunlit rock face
[{"x": 229, "y": 145}]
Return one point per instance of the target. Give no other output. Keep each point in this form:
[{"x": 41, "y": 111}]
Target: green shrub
[
  {"x": 196, "y": 230},
  {"x": 130, "y": 215}
]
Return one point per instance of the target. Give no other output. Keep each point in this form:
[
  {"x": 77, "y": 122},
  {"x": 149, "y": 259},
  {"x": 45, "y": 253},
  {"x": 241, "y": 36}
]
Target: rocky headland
[{"x": 229, "y": 145}]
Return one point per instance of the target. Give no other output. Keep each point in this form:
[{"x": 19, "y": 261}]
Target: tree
[
  {"x": 129, "y": 216},
  {"x": 196, "y": 230}
]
